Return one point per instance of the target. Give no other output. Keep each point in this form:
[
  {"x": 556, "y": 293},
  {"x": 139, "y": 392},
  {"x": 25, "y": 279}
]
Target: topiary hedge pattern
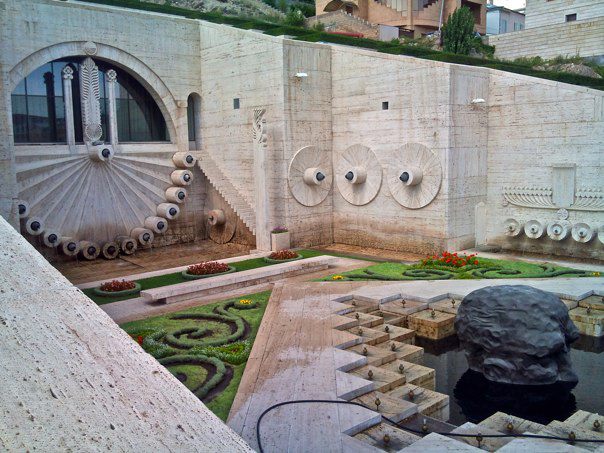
[
  {"x": 204, "y": 344},
  {"x": 435, "y": 271}
]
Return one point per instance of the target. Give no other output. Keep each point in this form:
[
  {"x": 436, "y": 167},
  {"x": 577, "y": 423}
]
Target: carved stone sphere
[{"x": 517, "y": 334}]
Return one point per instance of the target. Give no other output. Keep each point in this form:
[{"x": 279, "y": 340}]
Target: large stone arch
[{"x": 129, "y": 63}]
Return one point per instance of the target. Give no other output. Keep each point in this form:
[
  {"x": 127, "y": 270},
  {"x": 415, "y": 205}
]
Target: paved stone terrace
[{"x": 295, "y": 357}]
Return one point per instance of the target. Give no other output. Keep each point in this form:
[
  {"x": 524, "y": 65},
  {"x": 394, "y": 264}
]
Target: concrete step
[
  {"x": 403, "y": 351},
  {"x": 401, "y": 334},
  {"x": 587, "y": 421},
  {"x": 429, "y": 402},
  {"x": 349, "y": 386},
  {"x": 365, "y": 320},
  {"x": 505, "y": 423},
  {"x": 345, "y": 360},
  {"x": 403, "y": 306},
  {"x": 387, "y": 437},
  {"x": 376, "y": 355},
  {"x": 384, "y": 380},
  {"x": 487, "y": 444},
  {"x": 370, "y": 336},
  {"x": 434, "y": 443},
  {"x": 414, "y": 374},
  {"x": 394, "y": 408},
  {"x": 563, "y": 429}
]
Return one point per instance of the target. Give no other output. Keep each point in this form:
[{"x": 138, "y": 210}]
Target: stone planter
[
  {"x": 185, "y": 274},
  {"x": 280, "y": 241},
  {"x": 272, "y": 261},
  {"x": 126, "y": 292}
]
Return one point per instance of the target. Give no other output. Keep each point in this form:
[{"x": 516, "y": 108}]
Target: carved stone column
[
  {"x": 263, "y": 237},
  {"x": 90, "y": 97},
  {"x": 68, "y": 101},
  {"x": 111, "y": 83}
]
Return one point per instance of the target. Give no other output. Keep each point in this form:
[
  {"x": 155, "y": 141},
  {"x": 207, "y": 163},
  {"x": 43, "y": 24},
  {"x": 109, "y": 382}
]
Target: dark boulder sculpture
[{"x": 517, "y": 334}]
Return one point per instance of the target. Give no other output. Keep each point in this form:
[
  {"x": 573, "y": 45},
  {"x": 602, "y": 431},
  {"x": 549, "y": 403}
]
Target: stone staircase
[
  {"x": 400, "y": 6},
  {"x": 342, "y": 21},
  {"x": 388, "y": 377},
  {"x": 226, "y": 189}
]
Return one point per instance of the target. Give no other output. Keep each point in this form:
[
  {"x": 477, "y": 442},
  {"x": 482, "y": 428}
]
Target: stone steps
[
  {"x": 370, "y": 336},
  {"x": 227, "y": 190},
  {"x": 393, "y": 408},
  {"x": 384, "y": 380},
  {"x": 388, "y": 438},
  {"x": 430, "y": 403},
  {"x": 414, "y": 374}
]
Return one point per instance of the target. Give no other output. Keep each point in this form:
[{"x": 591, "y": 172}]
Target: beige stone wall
[
  {"x": 361, "y": 81},
  {"x": 583, "y": 38},
  {"x": 540, "y": 13},
  {"x": 534, "y": 125}
]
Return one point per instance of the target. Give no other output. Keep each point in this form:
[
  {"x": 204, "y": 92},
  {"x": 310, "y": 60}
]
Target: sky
[{"x": 511, "y": 4}]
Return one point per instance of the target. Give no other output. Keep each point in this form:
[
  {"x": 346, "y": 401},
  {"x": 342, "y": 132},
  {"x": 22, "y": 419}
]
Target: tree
[{"x": 458, "y": 32}]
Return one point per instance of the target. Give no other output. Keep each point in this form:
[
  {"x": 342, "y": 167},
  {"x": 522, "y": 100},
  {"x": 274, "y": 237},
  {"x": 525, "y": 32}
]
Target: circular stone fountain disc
[
  {"x": 418, "y": 156},
  {"x": 309, "y": 194},
  {"x": 358, "y": 156},
  {"x": 221, "y": 234}
]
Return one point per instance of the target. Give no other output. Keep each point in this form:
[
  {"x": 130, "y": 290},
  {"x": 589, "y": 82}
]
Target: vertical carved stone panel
[
  {"x": 90, "y": 97},
  {"x": 260, "y": 138},
  {"x": 68, "y": 101},
  {"x": 111, "y": 82}
]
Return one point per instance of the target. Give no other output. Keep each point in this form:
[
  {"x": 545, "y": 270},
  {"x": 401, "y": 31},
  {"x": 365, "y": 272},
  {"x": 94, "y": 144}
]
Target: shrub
[
  {"x": 294, "y": 18},
  {"x": 117, "y": 285},
  {"x": 279, "y": 229},
  {"x": 283, "y": 255},
  {"x": 458, "y": 32},
  {"x": 209, "y": 267},
  {"x": 318, "y": 26},
  {"x": 450, "y": 259}
]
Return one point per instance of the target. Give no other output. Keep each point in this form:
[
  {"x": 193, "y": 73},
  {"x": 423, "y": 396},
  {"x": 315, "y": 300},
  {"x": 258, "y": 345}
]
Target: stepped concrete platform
[
  {"x": 385, "y": 437},
  {"x": 212, "y": 285}
]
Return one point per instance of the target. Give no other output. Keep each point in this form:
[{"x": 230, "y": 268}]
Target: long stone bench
[{"x": 221, "y": 283}]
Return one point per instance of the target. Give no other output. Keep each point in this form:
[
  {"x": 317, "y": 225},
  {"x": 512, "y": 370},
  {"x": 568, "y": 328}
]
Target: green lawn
[
  {"x": 215, "y": 321},
  {"x": 486, "y": 268},
  {"x": 174, "y": 278}
]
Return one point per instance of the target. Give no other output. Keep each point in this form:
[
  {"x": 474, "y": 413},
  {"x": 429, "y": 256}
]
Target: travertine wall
[
  {"x": 584, "y": 38},
  {"x": 469, "y": 118},
  {"x": 541, "y": 13},
  {"x": 534, "y": 125},
  {"x": 74, "y": 381}
]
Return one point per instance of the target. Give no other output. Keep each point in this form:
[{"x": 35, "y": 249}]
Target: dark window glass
[
  {"x": 571, "y": 17},
  {"x": 191, "y": 118},
  {"x": 39, "y": 107}
]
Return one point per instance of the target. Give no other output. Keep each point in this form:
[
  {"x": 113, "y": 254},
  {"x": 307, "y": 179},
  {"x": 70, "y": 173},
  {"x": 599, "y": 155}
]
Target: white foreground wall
[{"x": 73, "y": 380}]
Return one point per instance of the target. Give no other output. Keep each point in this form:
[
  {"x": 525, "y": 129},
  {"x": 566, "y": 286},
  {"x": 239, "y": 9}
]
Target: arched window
[
  {"x": 39, "y": 108},
  {"x": 194, "y": 121}
]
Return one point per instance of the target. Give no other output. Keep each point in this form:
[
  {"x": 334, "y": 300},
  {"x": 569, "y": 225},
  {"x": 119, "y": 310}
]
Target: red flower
[
  {"x": 283, "y": 255},
  {"x": 208, "y": 267},
  {"x": 475, "y": 261},
  {"x": 140, "y": 339},
  {"x": 117, "y": 285}
]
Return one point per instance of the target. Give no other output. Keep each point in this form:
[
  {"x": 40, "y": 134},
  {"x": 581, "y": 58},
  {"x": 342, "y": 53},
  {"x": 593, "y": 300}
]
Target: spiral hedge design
[
  {"x": 201, "y": 346},
  {"x": 487, "y": 271}
]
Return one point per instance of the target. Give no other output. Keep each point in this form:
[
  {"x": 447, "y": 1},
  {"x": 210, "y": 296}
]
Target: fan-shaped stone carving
[
  {"x": 69, "y": 246},
  {"x": 81, "y": 198},
  {"x": 601, "y": 234},
  {"x": 534, "y": 229},
  {"x": 358, "y": 174},
  {"x": 558, "y": 229},
  {"x": 512, "y": 227},
  {"x": 222, "y": 227},
  {"x": 414, "y": 175},
  {"x": 582, "y": 232},
  {"x": 310, "y": 176}
]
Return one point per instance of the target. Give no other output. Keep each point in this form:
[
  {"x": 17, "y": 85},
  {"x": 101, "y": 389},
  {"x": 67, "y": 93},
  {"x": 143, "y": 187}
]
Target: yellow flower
[
  {"x": 596, "y": 274},
  {"x": 245, "y": 301},
  {"x": 337, "y": 277}
]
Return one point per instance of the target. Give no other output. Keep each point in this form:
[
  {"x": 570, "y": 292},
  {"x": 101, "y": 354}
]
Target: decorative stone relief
[
  {"x": 512, "y": 227},
  {"x": 68, "y": 103},
  {"x": 585, "y": 199},
  {"x": 310, "y": 176},
  {"x": 90, "y": 97},
  {"x": 260, "y": 141},
  {"x": 534, "y": 229},
  {"x": 90, "y": 48},
  {"x": 582, "y": 232},
  {"x": 414, "y": 175},
  {"x": 358, "y": 174},
  {"x": 558, "y": 229}
]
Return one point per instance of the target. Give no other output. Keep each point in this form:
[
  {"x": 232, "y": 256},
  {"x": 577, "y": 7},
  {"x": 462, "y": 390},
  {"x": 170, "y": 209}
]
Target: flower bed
[
  {"x": 206, "y": 269},
  {"x": 117, "y": 288},
  {"x": 244, "y": 304},
  {"x": 282, "y": 256}
]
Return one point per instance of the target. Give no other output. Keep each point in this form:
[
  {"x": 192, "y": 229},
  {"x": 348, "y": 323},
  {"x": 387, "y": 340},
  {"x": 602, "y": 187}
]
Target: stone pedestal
[
  {"x": 588, "y": 321},
  {"x": 280, "y": 241},
  {"x": 434, "y": 328}
]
